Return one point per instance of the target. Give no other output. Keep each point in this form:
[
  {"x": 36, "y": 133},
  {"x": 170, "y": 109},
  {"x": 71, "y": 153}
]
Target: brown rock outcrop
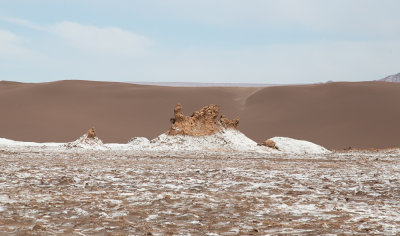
[
  {"x": 38, "y": 227},
  {"x": 202, "y": 122},
  {"x": 269, "y": 143},
  {"x": 91, "y": 133},
  {"x": 226, "y": 123}
]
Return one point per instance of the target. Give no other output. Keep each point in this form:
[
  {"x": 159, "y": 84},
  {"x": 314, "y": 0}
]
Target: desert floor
[{"x": 83, "y": 192}]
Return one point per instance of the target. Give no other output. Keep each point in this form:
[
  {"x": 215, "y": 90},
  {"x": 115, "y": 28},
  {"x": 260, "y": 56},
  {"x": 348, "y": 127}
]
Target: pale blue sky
[{"x": 255, "y": 41}]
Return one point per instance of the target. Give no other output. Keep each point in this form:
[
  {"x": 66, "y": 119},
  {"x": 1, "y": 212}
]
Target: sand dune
[{"x": 335, "y": 115}]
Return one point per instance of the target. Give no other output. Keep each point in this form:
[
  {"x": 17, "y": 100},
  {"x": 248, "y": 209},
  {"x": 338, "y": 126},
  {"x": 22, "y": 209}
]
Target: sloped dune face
[
  {"x": 290, "y": 145},
  {"x": 335, "y": 115}
]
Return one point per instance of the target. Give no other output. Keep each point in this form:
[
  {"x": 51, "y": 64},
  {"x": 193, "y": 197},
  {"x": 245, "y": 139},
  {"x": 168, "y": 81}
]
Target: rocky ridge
[
  {"x": 202, "y": 122},
  {"x": 392, "y": 78}
]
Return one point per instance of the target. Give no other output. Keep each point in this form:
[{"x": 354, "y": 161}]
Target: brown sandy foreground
[
  {"x": 334, "y": 115},
  {"x": 85, "y": 192}
]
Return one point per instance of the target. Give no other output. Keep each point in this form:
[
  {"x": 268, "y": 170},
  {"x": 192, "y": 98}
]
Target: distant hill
[
  {"x": 195, "y": 84},
  {"x": 392, "y": 78}
]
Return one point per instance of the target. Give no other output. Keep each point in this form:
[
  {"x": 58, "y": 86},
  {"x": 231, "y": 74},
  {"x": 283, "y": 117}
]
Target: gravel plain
[{"x": 86, "y": 192}]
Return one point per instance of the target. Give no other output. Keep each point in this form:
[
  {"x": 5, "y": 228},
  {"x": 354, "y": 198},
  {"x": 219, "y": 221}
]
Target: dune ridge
[{"x": 334, "y": 115}]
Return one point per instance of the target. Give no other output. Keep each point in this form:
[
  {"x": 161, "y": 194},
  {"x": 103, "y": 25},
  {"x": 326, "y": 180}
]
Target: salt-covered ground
[{"x": 45, "y": 189}]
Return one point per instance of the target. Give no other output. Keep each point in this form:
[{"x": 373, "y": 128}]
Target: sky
[{"x": 222, "y": 41}]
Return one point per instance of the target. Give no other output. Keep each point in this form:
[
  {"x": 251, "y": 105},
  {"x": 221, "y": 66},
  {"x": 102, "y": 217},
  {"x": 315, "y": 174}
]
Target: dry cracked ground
[{"x": 124, "y": 193}]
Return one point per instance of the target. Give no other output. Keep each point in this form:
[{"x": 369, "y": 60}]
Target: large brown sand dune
[{"x": 335, "y": 115}]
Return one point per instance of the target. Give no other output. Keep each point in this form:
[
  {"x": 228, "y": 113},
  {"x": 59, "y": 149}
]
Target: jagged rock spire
[{"x": 91, "y": 133}]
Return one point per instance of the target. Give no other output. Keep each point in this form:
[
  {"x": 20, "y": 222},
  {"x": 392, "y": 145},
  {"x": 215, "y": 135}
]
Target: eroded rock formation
[
  {"x": 87, "y": 141},
  {"x": 226, "y": 123},
  {"x": 202, "y": 122},
  {"x": 91, "y": 133}
]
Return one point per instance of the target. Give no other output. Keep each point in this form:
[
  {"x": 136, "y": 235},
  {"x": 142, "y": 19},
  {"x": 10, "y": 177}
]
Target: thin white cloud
[
  {"x": 23, "y": 22},
  {"x": 100, "y": 40},
  {"x": 11, "y": 46},
  {"x": 91, "y": 38}
]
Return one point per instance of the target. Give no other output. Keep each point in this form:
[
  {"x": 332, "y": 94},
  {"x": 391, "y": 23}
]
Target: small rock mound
[
  {"x": 139, "y": 141},
  {"x": 202, "y": 122},
  {"x": 289, "y": 145},
  {"x": 38, "y": 227},
  {"x": 87, "y": 141},
  {"x": 269, "y": 143}
]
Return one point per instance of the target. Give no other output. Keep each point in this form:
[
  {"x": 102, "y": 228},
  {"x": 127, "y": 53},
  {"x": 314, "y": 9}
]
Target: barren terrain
[
  {"x": 86, "y": 192},
  {"x": 334, "y": 115}
]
